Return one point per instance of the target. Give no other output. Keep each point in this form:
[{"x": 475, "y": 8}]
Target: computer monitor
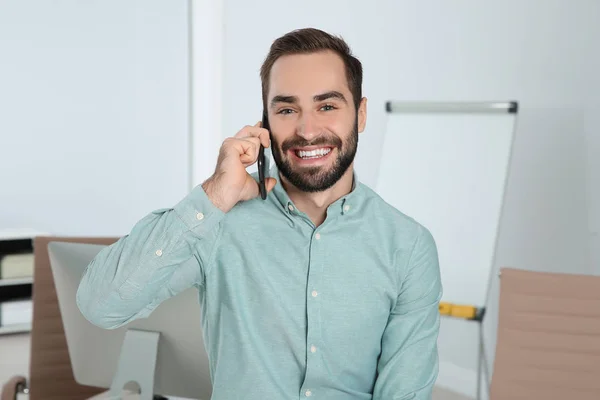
[{"x": 164, "y": 351}]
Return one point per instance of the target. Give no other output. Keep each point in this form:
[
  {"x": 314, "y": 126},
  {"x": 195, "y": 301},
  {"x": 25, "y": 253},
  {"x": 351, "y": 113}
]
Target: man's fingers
[
  {"x": 255, "y": 131},
  {"x": 246, "y": 148},
  {"x": 246, "y": 143},
  {"x": 251, "y": 145},
  {"x": 260, "y": 133}
]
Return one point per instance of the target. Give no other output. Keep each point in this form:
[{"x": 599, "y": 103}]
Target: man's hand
[{"x": 230, "y": 182}]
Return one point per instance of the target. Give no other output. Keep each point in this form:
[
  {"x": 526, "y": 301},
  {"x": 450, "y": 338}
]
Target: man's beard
[{"x": 316, "y": 179}]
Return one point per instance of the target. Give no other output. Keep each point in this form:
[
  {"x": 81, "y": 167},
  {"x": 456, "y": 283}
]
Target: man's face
[{"x": 313, "y": 122}]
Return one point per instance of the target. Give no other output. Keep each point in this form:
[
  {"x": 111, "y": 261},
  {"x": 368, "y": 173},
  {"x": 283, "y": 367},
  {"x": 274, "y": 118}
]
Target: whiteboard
[{"x": 448, "y": 172}]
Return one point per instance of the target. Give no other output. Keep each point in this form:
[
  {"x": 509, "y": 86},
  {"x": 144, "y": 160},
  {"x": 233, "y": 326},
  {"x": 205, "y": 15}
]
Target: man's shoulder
[
  {"x": 377, "y": 205},
  {"x": 400, "y": 225},
  {"x": 403, "y": 235}
]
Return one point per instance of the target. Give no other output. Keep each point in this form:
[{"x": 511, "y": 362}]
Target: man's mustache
[{"x": 320, "y": 141}]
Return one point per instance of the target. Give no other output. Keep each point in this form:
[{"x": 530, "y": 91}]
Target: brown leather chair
[
  {"x": 548, "y": 343},
  {"x": 50, "y": 373}
]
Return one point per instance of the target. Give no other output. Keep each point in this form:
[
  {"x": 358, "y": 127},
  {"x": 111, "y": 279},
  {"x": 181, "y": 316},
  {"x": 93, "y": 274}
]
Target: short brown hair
[{"x": 311, "y": 40}]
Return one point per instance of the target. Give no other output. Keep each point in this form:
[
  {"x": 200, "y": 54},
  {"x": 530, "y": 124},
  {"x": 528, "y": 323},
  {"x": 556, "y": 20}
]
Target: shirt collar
[{"x": 344, "y": 205}]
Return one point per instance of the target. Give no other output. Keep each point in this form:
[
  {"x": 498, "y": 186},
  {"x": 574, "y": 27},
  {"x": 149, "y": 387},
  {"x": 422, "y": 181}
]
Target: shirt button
[
  {"x": 313, "y": 349},
  {"x": 346, "y": 207},
  {"x": 159, "y": 252},
  {"x": 308, "y": 393},
  {"x": 318, "y": 236},
  {"x": 290, "y": 207},
  {"x": 199, "y": 216},
  {"x": 314, "y": 293}
]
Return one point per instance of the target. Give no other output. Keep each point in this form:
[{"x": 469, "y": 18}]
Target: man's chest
[{"x": 337, "y": 285}]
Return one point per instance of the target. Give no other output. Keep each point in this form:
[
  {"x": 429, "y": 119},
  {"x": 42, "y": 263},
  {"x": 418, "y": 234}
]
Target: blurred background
[{"x": 110, "y": 109}]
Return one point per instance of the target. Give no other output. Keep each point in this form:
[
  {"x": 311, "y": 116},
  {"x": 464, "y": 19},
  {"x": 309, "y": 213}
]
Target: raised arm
[
  {"x": 408, "y": 366},
  {"x": 168, "y": 250},
  {"x": 164, "y": 254}
]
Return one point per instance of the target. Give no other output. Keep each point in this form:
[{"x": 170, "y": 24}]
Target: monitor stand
[{"x": 137, "y": 363}]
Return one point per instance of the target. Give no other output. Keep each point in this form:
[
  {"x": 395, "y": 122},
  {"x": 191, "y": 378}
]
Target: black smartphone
[{"x": 262, "y": 165}]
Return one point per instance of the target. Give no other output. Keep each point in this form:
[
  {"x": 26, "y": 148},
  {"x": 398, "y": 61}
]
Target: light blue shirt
[{"x": 347, "y": 310}]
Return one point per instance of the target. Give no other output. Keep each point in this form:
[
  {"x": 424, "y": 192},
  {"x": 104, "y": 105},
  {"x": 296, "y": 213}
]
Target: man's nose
[{"x": 309, "y": 127}]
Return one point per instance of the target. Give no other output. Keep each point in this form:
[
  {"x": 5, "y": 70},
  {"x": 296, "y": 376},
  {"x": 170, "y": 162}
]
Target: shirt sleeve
[
  {"x": 408, "y": 365},
  {"x": 164, "y": 254}
]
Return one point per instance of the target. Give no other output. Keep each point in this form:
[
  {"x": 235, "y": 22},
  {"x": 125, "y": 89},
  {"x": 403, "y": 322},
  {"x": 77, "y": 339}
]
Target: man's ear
[{"x": 362, "y": 114}]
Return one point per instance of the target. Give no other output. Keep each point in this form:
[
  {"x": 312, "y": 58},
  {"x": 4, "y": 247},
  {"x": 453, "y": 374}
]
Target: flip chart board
[{"x": 445, "y": 165}]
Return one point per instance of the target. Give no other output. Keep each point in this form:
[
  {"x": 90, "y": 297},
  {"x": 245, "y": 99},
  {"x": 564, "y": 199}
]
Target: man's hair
[{"x": 311, "y": 40}]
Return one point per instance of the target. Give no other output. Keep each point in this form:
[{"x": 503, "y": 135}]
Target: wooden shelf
[
  {"x": 16, "y": 328},
  {"x": 16, "y": 281},
  {"x": 16, "y": 241},
  {"x": 18, "y": 234}
]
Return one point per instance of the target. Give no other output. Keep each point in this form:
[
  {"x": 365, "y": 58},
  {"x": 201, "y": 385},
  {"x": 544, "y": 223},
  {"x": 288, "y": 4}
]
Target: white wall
[
  {"x": 93, "y": 113},
  {"x": 592, "y": 129},
  {"x": 535, "y": 52},
  {"x": 206, "y": 47}
]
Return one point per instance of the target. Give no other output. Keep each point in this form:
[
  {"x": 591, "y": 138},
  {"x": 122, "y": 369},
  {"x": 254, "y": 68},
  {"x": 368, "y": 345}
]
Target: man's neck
[{"x": 315, "y": 204}]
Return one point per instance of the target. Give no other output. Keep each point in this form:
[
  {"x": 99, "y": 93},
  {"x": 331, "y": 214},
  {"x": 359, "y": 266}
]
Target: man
[{"x": 322, "y": 290}]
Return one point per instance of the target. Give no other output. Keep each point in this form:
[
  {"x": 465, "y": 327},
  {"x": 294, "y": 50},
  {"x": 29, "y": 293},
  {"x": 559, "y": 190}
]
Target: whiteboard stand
[
  {"x": 456, "y": 155},
  {"x": 501, "y": 107}
]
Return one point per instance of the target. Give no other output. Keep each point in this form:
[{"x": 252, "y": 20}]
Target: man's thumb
[{"x": 270, "y": 184}]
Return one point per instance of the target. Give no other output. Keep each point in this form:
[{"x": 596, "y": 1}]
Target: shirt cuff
[{"x": 198, "y": 212}]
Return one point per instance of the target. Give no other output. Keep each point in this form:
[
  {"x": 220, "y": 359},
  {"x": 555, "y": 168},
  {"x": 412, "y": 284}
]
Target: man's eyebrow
[
  {"x": 330, "y": 95},
  {"x": 283, "y": 99},
  {"x": 333, "y": 94}
]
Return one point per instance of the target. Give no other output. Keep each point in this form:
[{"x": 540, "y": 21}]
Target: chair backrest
[
  {"x": 548, "y": 343},
  {"x": 50, "y": 372}
]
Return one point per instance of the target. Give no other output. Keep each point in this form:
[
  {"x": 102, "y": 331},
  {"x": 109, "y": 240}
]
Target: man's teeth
[{"x": 313, "y": 153}]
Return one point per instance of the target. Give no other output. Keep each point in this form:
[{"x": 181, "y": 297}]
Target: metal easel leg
[
  {"x": 480, "y": 361},
  {"x": 482, "y": 370}
]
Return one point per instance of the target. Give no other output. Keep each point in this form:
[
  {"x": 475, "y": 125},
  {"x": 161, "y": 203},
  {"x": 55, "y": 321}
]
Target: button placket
[{"x": 313, "y": 296}]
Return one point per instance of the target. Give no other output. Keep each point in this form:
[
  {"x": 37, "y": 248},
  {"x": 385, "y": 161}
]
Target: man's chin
[
  {"x": 308, "y": 178},
  {"x": 312, "y": 183},
  {"x": 312, "y": 173}
]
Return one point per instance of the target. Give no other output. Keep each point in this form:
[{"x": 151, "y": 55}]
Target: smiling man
[
  {"x": 323, "y": 290},
  {"x": 315, "y": 114}
]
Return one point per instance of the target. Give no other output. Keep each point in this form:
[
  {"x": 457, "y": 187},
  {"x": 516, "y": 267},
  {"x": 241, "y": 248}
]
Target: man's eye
[
  {"x": 285, "y": 111},
  {"x": 328, "y": 107}
]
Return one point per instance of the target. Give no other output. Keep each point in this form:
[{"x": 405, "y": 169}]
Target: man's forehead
[{"x": 307, "y": 75}]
